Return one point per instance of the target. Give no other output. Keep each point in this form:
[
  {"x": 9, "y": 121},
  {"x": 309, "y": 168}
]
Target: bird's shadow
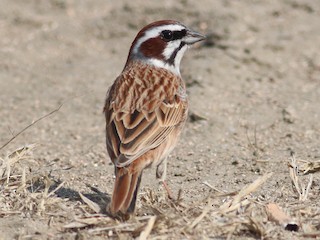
[{"x": 100, "y": 198}]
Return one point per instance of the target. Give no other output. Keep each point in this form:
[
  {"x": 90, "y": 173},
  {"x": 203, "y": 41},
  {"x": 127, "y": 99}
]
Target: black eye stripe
[
  {"x": 168, "y": 35},
  {"x": 179, "y": 34}
]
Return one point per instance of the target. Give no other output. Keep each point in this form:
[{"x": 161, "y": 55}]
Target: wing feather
[{"x": 148, "y": 135}]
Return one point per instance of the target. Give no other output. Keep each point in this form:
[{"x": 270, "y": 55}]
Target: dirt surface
[{"x": 254, "y": 90}]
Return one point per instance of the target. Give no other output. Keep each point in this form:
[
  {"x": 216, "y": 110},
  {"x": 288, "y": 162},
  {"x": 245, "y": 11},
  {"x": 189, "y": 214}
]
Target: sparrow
[{"x": 146, "y": 108}]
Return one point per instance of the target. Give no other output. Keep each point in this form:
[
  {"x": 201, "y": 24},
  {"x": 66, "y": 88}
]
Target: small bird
[{"x": 146, "y": 108}]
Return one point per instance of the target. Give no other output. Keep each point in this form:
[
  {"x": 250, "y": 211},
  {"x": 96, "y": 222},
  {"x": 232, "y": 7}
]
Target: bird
[{"x": 146, "y": 108}]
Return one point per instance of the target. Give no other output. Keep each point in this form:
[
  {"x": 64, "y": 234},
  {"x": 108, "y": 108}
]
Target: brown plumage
[{"x": 145, "y": 109}]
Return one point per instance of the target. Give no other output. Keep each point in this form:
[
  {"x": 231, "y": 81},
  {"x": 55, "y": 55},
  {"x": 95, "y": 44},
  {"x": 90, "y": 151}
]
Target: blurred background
[{"x": 254, "y": 89}]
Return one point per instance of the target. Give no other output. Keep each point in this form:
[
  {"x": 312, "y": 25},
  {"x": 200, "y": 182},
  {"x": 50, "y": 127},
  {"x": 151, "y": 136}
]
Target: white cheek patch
[
  {"x": 175, "y": 68},
  {"x": 171, "y": 47}
]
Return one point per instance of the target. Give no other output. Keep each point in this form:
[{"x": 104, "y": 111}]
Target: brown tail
[{"x": 125, "y": 191}]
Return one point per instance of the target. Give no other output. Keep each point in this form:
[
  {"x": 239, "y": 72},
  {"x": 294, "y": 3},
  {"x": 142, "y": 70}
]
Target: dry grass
[{"x": 29, "y": 191}]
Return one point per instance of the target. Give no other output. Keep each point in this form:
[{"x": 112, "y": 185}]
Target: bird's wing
[{"x": 147, "y": 124}]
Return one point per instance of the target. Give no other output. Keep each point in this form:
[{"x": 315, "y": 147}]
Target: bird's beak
[{"x": 193, "y": 37}]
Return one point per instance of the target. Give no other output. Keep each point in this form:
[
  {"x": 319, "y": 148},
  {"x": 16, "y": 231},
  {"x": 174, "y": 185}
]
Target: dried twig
[
  {"x": 95, "y": 207},
  {"x": 277, "y": 215},
  {"x": 146, "y": 232},
  {"x": 30, "y": 125},
  {"x": 202, "y": 215},
  {"x": 310, "y": 167},
  {"x": 238, "y": 201},
  {"x": 213, "y": 188},
  {"x": 301, "y": 189}
]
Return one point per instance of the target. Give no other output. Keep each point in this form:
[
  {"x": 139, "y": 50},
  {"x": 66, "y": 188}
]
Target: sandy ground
[{"x": 254, "y": 89}]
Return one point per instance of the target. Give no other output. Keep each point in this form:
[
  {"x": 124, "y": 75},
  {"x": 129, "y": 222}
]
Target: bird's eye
[{"x": 167, "y": 35}]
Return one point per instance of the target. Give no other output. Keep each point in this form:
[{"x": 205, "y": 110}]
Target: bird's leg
[
  {"x": 162, "y": 170},
  {"x": 161, "y": 174}
]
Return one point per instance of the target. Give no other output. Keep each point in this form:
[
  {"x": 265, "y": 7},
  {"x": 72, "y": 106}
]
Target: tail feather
[
  {"x": 130, "y": 203},
  {"x": 125, "y": 191}
]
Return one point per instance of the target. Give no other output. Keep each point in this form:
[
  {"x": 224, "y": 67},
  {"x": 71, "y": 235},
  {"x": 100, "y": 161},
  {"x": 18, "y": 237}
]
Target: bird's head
[{"x": 163, "y": 44}]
